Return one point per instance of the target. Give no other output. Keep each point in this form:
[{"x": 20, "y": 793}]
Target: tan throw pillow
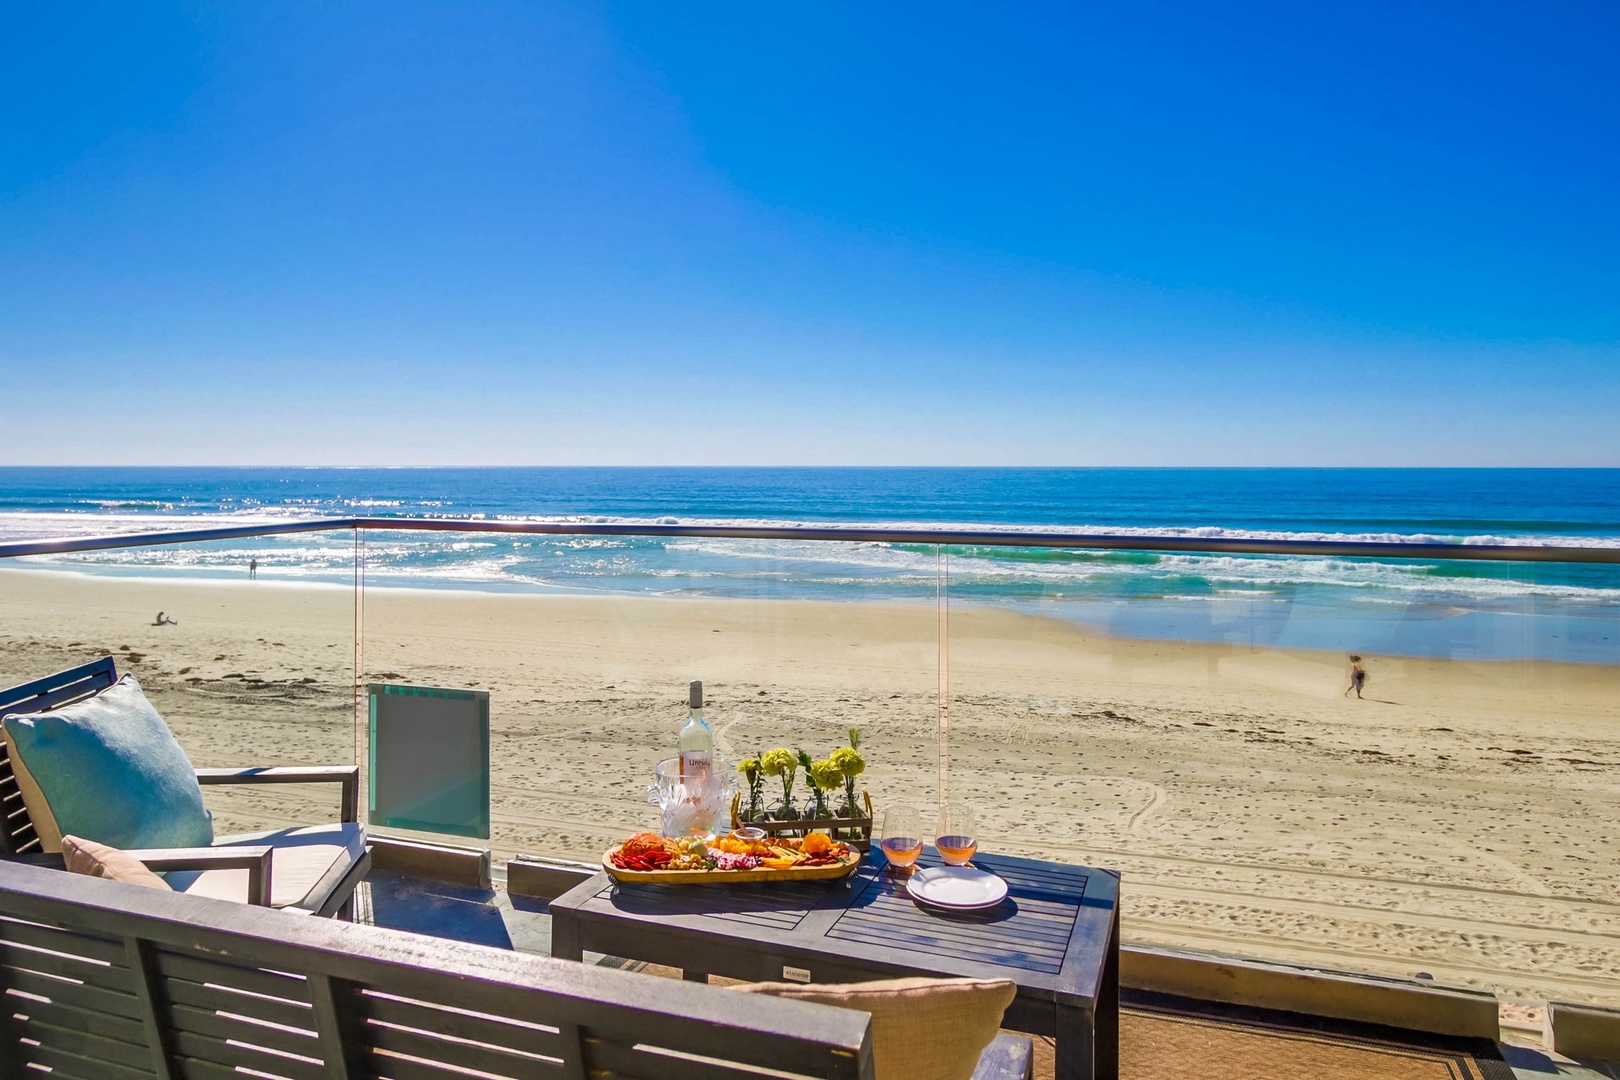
[
  {"x": 922, "y": 1029},
  {"x": 99, "y": 860}
]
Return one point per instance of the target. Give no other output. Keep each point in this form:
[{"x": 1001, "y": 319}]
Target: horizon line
[{"x": 890, "y": 467}]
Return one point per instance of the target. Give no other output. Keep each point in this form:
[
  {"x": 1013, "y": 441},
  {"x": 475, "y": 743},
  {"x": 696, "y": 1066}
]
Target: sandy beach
[{"x": 1463, "y": 821}]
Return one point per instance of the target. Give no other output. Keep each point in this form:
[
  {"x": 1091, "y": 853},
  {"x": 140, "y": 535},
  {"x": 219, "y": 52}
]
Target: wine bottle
[{"x": 696, "y": 744}]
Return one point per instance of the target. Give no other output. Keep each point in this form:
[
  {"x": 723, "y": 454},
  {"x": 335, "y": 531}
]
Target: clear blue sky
[{"x": 1142, "y": 233}]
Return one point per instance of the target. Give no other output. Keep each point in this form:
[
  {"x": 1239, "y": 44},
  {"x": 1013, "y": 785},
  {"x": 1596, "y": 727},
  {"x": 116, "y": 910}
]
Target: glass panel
[
  {"x": 249, "y": 667},
  {"x": 1190, "y": 719},
  {"x": 1193, "y": 721},
  {"x": 428, "y": 759},
  {"x": 586, "y": 646}
]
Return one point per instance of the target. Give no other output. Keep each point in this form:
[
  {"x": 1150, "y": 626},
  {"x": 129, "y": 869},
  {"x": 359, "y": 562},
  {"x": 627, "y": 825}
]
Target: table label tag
[{"x": 793, "y": 974}]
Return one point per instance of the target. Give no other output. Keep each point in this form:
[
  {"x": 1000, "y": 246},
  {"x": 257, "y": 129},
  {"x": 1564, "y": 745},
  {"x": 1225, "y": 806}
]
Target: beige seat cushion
[
  {"x": 922, "y": 1029},
  {"x": 99, "y": 860},
  {"x": 307, "y": 860}
]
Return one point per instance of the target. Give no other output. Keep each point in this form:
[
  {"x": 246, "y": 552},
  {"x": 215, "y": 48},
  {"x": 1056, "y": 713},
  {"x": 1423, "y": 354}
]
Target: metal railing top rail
[{"x": 1370, "y": 549}]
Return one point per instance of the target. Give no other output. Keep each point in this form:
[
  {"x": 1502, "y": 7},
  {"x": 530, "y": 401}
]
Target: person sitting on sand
[
  {"x": 1358, "y": 676},
  {"x": 164, "y": 620}
]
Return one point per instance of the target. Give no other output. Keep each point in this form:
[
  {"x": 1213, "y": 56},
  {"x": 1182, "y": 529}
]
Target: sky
[{"x": 569, "y": 233}]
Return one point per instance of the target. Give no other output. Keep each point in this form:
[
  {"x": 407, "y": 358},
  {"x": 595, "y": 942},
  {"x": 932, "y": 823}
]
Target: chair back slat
[
  {"x": 541, "y": 1040},
  {"x": 228, "y": 985},
  {"x": 17, "y": 835},
  {"x": 59, "y": 689},
  {"x": 72, "y": 1005}
]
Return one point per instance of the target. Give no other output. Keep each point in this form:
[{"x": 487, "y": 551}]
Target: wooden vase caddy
[{"x": 854, "y": 831}]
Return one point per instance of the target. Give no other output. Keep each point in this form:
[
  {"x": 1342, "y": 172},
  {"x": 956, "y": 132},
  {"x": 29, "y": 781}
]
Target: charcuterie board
[
  {"x": 743, "y": 856},
  {"x": 842, "y": 867}
]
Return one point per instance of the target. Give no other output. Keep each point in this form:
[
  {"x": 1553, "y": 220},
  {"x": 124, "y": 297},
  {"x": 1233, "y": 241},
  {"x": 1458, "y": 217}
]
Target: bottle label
[{"x": 696, "y": 765}]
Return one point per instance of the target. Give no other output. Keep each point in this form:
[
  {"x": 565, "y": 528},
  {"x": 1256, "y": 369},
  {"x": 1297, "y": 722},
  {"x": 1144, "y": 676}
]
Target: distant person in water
[
  {"x": 253, "y": 568},
  {"x": 1358, "y": 676},
  {"x": 164, "y": 620}
]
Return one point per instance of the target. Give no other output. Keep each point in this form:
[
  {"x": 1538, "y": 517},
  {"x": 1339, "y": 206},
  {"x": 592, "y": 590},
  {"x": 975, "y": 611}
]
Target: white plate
[{"x": 960, "y": 888}]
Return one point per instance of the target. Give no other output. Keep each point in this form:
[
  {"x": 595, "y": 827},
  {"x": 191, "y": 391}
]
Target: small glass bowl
[{"x": 748, "y": 833}]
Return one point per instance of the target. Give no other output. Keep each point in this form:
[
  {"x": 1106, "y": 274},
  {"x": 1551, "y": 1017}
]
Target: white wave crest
[{"x": 33, "y": 525}]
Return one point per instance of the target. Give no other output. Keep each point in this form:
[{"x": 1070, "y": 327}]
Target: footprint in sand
[{"x": 1157, "y": 799}]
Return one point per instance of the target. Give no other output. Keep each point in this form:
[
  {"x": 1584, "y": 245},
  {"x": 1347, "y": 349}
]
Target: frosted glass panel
[{"x": 429, "y": 759}]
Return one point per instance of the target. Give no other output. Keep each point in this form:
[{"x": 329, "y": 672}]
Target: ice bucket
[{"x": 684, "y": 809}]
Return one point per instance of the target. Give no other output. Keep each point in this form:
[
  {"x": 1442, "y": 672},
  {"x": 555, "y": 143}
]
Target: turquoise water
[{"x": 1419, "y": 607}]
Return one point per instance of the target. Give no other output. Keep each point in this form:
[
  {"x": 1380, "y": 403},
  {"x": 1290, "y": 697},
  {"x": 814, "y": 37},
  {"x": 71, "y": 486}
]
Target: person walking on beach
[
  {"x": 253, "y": 568},
  {"x": 1358, "y": 676}
]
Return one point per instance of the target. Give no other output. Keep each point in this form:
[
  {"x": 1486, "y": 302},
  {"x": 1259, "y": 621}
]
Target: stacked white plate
[{"x": 956, "y": 888}]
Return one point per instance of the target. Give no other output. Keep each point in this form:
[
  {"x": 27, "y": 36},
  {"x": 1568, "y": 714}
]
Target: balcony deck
[{"x": 1162, "y": 1038}]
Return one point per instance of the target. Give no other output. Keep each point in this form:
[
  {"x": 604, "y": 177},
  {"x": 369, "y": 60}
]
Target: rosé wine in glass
[
  {"x": 901, "y": 850},
  {"x": 957, "y": 838},
  {"x": 901, "y": 836}
]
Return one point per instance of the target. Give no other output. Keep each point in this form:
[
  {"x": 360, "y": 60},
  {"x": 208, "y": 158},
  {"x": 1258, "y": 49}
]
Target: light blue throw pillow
[{"x": 107, "y": 769}]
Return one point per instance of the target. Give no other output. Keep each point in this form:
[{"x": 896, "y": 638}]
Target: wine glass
[
  {"x": 901, "y": 836},
  {"x": 957, "y": 834}
]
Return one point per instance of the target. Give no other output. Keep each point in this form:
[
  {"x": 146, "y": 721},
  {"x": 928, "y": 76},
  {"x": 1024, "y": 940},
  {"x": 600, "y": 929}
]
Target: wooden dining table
[{"x": 1056, "y": 936}]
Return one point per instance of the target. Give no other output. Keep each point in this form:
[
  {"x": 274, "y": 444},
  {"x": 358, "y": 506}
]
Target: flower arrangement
[
  {"x": 849, "y": 764},
  {"x": 781, "y": 763},
  {"x": 754, "y": 772},
  {"x": 826, "y": 776}
]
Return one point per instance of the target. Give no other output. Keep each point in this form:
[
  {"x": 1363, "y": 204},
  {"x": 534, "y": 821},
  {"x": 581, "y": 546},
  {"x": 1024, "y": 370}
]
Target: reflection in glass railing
[
  {"x": 1189, "y": 718},
  {"x": 249, "y": 659},
  {"x": 587, "y": 650},
  {"x": 1199, "y": 723}
]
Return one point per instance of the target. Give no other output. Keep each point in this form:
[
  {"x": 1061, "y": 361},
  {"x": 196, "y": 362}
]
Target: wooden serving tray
[{"x": 842, "y": 868}]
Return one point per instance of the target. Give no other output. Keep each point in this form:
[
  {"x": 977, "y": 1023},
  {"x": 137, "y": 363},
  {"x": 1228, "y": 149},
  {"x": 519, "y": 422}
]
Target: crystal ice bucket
[{"x": 691, "y": 805}]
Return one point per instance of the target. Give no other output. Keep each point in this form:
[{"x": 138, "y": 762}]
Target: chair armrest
[
  {"x": 254, "y": 859},
  {"x": 347, "y": 775}
]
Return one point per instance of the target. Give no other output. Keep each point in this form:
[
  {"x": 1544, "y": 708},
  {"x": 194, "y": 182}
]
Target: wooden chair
[
  {"x": 103, "y": 981},
  {"x": 338, "y": 866}
]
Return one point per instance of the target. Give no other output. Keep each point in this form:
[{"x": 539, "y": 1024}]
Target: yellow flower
[
  {"x": 748, "y": 767},
  {"x": 778, "y": 762},
  {"x": 847, "y": 761},
  {"x": 825, "y": 775}
]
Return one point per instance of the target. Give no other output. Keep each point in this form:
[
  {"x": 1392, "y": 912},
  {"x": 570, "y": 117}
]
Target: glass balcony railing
[
  {"x": 1185, "y": 715},
  {"x": 247, "y": 668},
  {"x": 589, "y": 688},
  {"x": 1192, "y": 720}
]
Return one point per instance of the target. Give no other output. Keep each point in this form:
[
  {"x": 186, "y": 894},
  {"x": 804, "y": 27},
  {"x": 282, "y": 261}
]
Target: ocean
[{"x": 1409, "y": 607}]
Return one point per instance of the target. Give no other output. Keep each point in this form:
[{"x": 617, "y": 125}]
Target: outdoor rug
[
  {"x": 1168, "y": 1038},
  {"x": 1171, "y": 1038}
]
